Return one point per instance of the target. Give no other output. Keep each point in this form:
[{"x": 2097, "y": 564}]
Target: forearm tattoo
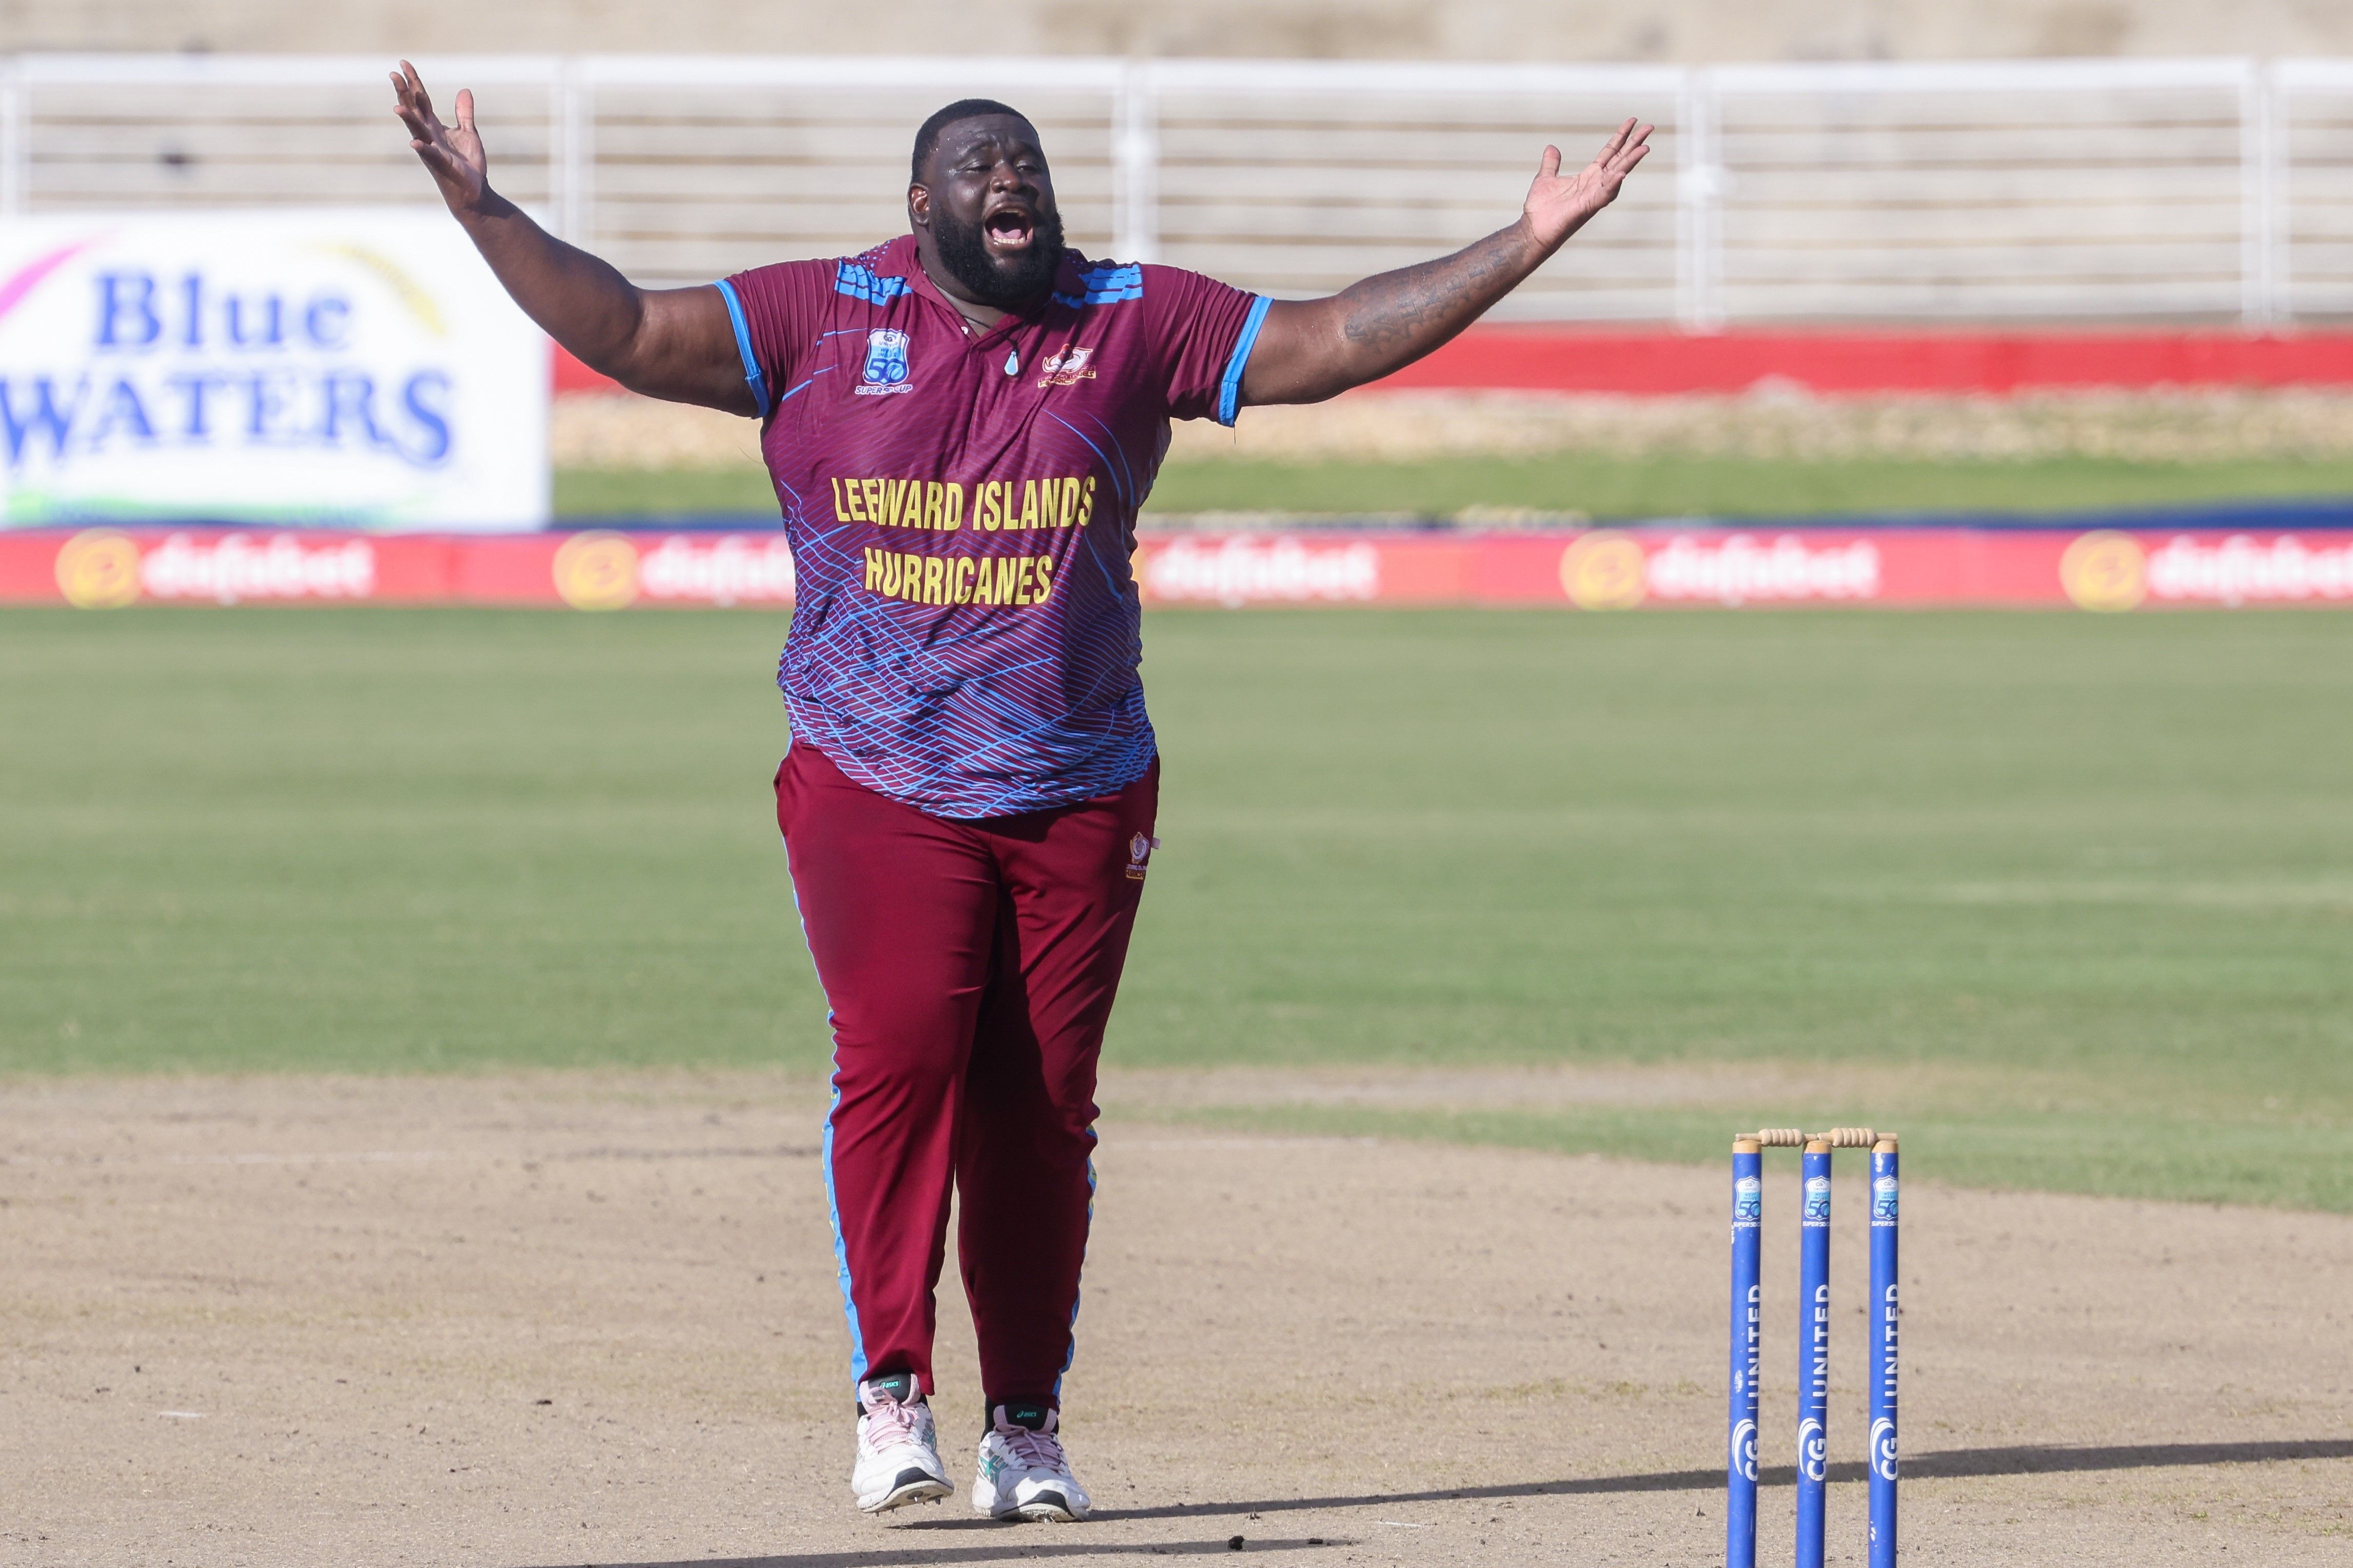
[{"x": 1392, "y": 310}]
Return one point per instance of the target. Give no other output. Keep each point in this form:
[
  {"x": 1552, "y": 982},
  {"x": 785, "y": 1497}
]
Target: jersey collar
[{"x": 900, "y": 259}]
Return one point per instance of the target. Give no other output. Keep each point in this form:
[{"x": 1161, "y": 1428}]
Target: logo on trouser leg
[{"x": 1139, "y": 856}]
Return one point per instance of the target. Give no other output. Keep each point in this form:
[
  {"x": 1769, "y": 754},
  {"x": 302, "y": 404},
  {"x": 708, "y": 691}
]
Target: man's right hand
[
  {"x": 453, "y": 155},
  {"x": 677, "y": 344}
]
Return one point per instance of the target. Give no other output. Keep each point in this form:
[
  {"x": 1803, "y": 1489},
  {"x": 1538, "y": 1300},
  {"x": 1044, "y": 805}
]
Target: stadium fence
[{"x": 2125, "y": 190}]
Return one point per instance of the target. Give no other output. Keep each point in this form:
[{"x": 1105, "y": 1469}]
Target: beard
[{"x": 1000, "y": 285}]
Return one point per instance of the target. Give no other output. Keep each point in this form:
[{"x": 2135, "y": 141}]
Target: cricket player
[{"x": 961, "y": 423}]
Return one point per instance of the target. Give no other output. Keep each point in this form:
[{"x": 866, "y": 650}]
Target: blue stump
[
  {"x": 1884, "y": 1229},
  {"x": 1747, "y": 1307},
  {"x": 1813, "y": 1352}
]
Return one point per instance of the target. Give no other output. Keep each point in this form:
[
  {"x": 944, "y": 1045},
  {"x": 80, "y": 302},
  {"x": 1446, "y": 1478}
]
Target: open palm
[
  {"x": 1559, "y": 206},
  {"x": 453, "y": 154}
]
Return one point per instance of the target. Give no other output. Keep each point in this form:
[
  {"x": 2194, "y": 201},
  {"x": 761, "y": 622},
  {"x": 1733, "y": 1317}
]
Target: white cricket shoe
[
  {"x": 1024, "y": 1473},
  {"x": 898, "y": 1447}
]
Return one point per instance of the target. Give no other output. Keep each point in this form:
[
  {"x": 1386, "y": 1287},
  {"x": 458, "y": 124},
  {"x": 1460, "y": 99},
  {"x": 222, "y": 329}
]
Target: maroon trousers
[{"x": 970, "y": 968}]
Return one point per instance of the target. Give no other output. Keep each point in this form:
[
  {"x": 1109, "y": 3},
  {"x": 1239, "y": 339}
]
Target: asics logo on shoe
[{"x": 1023, "y": 1472}]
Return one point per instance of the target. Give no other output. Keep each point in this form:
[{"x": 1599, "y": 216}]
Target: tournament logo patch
[
  {"x": 1884, "y": 1199},
  {"x": 886, "y": 364},
  {"x": 1139, "y": 856}
]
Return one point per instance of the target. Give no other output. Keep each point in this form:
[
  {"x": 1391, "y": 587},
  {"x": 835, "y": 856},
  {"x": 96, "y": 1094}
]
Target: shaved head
[{"x": 927, "y": 137}]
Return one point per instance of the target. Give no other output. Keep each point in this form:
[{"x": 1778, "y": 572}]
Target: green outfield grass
[
  {"x": 2069, "y": 898},
  {"x": 1662, "y": 485}
]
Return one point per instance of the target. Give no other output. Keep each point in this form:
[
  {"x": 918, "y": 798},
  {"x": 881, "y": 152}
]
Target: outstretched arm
[
  {"x": 1309, "y": 349},
  {"x": 677, "y": 344}
]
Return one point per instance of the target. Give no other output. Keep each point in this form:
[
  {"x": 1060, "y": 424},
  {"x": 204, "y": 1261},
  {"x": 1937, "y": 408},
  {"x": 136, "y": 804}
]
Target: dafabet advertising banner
[{"x": 342, "y": 369}]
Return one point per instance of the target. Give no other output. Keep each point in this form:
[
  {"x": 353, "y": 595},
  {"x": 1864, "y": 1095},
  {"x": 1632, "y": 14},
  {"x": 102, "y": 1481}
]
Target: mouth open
[{"x": 1009, "y": 229}]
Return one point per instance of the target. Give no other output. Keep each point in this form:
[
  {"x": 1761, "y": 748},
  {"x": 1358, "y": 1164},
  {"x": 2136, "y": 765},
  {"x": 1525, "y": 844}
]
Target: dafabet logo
[{"x": 2105, "y": 572}]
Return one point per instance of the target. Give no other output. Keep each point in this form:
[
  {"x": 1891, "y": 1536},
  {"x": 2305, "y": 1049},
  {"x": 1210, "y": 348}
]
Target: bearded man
[{"x": 961, "y": 423}]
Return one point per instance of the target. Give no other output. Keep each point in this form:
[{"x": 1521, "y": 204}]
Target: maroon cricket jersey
[{"x": 962, "y": 510}]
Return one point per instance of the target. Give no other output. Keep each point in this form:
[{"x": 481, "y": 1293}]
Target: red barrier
[
  {"x": 1564, "y": 359},
  {"x": 1602, "y": 568},
  {"x": 1573, "y": 359},
  {"x": 570, "y": 376},
  {"x": 100, "y": 568}
]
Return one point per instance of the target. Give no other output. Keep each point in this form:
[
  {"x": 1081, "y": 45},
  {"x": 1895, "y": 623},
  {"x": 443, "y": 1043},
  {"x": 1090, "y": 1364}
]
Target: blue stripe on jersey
[
  {"x": 864, "y": 283},
  {"x": 1105, "y": 286},
  {"x": 1229, "y": 390},
  {"x": 752, "y": 376}
]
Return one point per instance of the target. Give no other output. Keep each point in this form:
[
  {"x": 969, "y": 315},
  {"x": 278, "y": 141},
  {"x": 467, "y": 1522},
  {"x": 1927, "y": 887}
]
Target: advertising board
[
  {"x": 359, "y": 370},
  {"x": 1597, "y": 570}
]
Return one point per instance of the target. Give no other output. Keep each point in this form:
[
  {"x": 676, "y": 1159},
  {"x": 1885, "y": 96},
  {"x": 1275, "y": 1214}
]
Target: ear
[{"x": 919, "y": 206}]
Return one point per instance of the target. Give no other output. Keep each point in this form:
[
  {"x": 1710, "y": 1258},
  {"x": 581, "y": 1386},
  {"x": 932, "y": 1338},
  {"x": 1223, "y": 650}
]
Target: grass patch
[
  {"x": 655, "y": 493},
  {"x": 2112, "y": 854},
  {"x": 1671, "y": 485},
  {"x": 2140, "y": 1156}
]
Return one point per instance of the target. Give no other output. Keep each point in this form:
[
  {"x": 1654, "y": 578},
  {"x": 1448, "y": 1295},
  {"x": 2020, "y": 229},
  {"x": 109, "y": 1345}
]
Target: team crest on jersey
[
  {"x": 886, "y": 364},
  {"x": 1066, "y": 368},
  {"x": 1139, "y": 856}
]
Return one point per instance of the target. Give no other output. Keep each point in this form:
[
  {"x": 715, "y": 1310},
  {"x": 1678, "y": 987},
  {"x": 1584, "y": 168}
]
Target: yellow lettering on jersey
[
  {"x": 1029, "y": 503},
  {"x": 952, "y": 580},
  {"x": 1086, "y": 500}
]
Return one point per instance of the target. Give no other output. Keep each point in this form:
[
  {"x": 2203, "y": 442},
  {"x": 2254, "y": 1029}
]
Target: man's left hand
[{"x": 1558, "y": 206}]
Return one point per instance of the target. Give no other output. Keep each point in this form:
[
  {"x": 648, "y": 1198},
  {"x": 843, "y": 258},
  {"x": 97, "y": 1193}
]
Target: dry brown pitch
[{"x": 571, "y": 1319}]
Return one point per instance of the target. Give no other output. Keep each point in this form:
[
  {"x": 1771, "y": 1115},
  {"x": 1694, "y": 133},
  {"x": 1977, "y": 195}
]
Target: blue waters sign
[{"x": 348, "y": 369}]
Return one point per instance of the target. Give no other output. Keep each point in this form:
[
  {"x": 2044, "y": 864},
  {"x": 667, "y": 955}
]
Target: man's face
[{"x": 987, "y": 211}]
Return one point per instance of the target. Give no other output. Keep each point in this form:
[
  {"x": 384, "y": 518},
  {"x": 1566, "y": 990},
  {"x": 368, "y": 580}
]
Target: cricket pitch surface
[{"x": 539, "y": 1319}]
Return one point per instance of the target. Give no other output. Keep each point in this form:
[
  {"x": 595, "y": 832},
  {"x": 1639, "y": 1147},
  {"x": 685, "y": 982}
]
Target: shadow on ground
[
  {"x": 1953, "y": 1463},
  {"x": 1950, "y": 1463},
  {"x": 1019, "y": 1544}
]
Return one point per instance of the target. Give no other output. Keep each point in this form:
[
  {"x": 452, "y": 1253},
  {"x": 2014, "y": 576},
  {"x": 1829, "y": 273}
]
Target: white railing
[{"x": 2203, "y": 189}]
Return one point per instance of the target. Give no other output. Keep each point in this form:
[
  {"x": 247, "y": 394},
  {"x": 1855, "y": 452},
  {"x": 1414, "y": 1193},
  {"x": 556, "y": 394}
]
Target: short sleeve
[
  {"x": 1205, "y": 331},
  {"x": 777, "y": 312}
]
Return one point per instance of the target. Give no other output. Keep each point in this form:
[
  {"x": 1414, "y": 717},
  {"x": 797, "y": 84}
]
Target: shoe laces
[
  {"x": 1036, "y": 1450},
  {"x": 889, "y": 1423}
]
